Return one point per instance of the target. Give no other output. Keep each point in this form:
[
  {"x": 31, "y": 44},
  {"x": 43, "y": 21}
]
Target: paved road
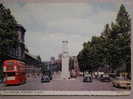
[{"x": 58, "y": 84}]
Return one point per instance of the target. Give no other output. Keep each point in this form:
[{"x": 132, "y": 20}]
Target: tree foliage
[
  {"x": 111, "y": 49},
  {"x": 8, "y": 32}
]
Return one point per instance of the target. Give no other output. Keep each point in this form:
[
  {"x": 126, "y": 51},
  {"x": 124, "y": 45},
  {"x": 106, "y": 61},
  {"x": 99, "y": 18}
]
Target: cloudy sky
[{"x": 49, "y": 22}]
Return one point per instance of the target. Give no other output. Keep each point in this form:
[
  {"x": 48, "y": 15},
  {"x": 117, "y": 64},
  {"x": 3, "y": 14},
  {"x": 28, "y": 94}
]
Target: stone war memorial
[{"x": 65, "y": 61}]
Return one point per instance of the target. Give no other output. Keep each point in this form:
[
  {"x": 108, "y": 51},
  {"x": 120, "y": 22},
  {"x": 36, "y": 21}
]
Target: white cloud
[
  {"x": 48, "y": 24},
  {"x": 51, "y": 44}
]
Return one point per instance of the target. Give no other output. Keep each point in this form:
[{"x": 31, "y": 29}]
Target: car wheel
[
  {"x": 114, "y": 85},
  {"x": 118, "y": 86}
]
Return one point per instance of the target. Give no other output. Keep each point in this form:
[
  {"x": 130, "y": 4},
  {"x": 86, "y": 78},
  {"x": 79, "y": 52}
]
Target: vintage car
[
  {"x": 48, "y": 73},
  {"x": 45, "y": 78},
  {"x": 120, "y": 82},
  {"x": 87, "y": 77},
  {"x": 105, "y": 78}
]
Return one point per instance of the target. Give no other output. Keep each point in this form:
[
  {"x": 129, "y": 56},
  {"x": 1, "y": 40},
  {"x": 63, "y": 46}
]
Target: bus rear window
[{"x": 11, "y": 74}]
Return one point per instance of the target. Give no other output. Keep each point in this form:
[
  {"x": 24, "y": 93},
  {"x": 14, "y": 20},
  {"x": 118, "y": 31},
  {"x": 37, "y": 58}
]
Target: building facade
[{"x": 17, "y": 51}]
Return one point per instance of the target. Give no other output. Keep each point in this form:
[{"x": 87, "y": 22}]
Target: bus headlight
[
  {"x": 4, "y": 69},
  {"x": 15, "y": 68}
]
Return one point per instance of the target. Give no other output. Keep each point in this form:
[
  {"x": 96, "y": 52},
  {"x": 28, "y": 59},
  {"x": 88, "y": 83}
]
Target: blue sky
[{"x": 49, "y": 23}]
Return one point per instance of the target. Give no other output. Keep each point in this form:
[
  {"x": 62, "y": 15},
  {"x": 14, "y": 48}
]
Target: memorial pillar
[{"x": 65, "y": 61}]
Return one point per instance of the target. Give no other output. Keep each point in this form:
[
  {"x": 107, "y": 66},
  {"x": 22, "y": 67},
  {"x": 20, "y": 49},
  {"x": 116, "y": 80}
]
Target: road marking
[
  {"x": 63, "y": 79},
  {"x": 40, "y": 92}
]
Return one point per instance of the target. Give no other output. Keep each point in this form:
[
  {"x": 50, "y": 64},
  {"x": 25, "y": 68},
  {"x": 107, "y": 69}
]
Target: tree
[
  {"x": 123, "y": 20},
  {"x": 112, "y": 48},
  {"x": 106, "y": 32},
  {"x": 118, "y": 41},
  {"x": 83, "y": 57},
  {"x": 123, "y": 40},
  {"x": 91, "y": 57},
  {"x": 8, "y": 32}
]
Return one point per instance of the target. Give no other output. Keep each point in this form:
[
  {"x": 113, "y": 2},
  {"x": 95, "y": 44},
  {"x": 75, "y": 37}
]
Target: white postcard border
[{"x": 62, "y": 93}]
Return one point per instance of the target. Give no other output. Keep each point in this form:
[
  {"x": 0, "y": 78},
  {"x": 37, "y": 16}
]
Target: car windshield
[
  {"x": 105, "y": 75},
  {"x": 45, "y": 76}
]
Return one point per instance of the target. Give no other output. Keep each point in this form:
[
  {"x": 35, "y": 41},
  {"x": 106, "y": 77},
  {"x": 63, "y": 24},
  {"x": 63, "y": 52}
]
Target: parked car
[
  {"x": 105, "y": 78},
  {"x": 120, "y": 82},
  {"x": 45, "y": 78},
  {"x": 87, "y": 77},
  {"x": 48, "y": 73}
]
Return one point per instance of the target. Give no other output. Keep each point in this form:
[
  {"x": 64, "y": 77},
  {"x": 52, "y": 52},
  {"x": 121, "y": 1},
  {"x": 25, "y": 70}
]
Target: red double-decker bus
[{"x": 14, "y": 72}]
